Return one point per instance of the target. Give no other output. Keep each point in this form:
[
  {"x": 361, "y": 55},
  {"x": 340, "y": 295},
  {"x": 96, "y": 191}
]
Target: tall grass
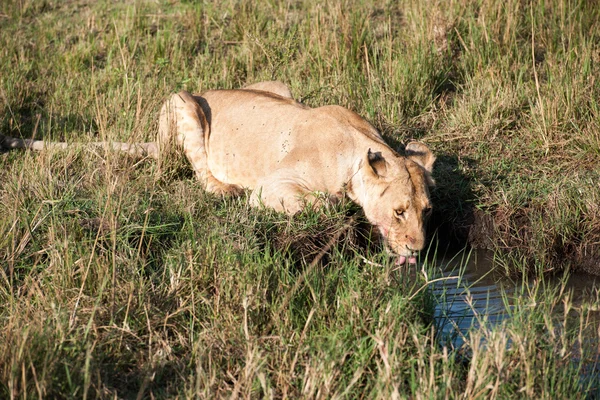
[{"x": 121, "y": 277}]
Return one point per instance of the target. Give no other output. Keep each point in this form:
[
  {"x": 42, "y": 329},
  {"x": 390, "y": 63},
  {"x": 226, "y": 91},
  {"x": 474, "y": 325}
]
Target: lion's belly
[
  {"x": 242, "y": 152},
  {"x": 243, "y": 166},
  {"x": 250, "y": 141}
]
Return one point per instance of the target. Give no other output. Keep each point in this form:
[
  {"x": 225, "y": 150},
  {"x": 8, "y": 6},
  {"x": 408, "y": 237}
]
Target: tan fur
[{"x": 259, "y": 138}]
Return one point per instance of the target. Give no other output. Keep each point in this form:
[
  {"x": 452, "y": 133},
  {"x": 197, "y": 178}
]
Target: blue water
[{"x": 474, "y": 296}]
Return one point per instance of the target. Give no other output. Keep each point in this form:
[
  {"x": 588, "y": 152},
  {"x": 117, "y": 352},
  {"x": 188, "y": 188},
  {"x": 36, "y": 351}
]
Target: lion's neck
[{"x": 355, "y": 186}]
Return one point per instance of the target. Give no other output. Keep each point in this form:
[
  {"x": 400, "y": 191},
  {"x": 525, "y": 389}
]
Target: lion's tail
[{"x": 149, "y": 149}]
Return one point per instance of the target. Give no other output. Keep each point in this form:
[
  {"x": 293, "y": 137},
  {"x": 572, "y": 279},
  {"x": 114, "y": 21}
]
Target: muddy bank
[
  {"x": 532, "y": 226},
  {"x": 516, "y": 241}
]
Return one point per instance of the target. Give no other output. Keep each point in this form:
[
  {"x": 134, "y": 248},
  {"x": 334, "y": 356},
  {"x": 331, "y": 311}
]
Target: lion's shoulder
[
  {"x": 273, "y": 87},
  {"x": 350, "y": 119}
]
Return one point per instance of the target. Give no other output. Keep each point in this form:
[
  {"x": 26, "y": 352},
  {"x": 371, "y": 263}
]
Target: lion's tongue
[{"x": 402, "y": 259}]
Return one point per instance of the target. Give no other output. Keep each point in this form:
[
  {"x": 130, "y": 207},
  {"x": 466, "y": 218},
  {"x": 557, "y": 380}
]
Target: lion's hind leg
[{"x": 183, "y": 120}]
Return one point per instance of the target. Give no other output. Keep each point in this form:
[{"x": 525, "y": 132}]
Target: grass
[{"x": 123, "y": 278}]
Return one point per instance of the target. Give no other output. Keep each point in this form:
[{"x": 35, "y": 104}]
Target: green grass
[{"x": 122, "y": 277}]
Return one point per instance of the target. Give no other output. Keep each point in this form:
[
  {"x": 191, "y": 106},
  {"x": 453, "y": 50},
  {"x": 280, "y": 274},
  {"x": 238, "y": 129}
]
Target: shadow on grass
[{"x": 454, "y": 217}]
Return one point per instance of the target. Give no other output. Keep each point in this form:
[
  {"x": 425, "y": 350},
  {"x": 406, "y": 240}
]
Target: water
[
  {"x": 472, "y": 296},
  {"x": 469, "y": 297}
]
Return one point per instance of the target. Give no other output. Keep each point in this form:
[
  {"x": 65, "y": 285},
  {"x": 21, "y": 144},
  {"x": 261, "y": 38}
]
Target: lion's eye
[{"x": 399, "y": 213}]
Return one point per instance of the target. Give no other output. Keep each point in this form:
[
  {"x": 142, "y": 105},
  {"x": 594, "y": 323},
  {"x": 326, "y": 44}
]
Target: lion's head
[{"x": 393, "y": 192}]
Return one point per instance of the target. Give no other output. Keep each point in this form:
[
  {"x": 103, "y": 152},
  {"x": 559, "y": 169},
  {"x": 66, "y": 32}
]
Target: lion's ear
[
  {"x": 420, "y": 154},
  {"x": 377, "y": 163}
]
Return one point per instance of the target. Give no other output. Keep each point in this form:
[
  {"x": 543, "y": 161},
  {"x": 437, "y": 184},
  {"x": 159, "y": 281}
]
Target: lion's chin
[{"x": 400, "y": 259}]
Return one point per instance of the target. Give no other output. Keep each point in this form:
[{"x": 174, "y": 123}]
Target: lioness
[{"x": 260, "y": 138}]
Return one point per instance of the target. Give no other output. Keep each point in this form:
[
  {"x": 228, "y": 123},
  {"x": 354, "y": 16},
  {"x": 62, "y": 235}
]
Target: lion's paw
[{"x": 225, "y": 190}]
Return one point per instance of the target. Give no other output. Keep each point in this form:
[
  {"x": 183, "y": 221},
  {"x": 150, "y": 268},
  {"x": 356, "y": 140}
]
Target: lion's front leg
[{"x": 286, "y": 192}]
